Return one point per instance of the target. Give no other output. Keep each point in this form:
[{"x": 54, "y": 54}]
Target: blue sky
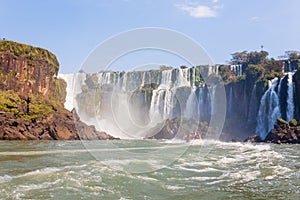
[{"x": 73, "y": 28}]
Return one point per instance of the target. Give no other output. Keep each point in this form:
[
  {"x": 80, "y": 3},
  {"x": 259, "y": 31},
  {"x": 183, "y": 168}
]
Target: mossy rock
[{"x": 293, "y": 123}]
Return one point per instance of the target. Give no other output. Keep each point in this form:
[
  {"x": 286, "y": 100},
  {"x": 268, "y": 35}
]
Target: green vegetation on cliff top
[
  {"x": 25, "y": 109},
  {"x": 32, "y": 53}
]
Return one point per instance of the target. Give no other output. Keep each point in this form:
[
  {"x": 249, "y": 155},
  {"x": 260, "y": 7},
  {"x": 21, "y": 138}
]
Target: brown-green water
[{"x": 148, "y": 170}]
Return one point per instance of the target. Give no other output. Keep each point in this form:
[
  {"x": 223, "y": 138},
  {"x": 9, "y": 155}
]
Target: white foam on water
[
  {"x": 146, "y": 178},
  {"x": 39, "y": 186},
  {"x": 173, "y": 187},
  {"x": 5, "y": 178},
  {"x": 198, "y": 170},
  {"x": 242, "y": 175}
]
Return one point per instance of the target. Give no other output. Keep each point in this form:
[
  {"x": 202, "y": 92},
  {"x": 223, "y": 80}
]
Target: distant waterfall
[
  {"x": 191, "y": 109},
  {"x": 74, "y": 85},
  {"x": 269, "y": 110},
  {"x": 238, "y": 69},
  {"x": 290, "y": 99},
  {"x": 131, "y": 101},
  {"x": 162, "y": 98},
  {"x": 182, "y": 78}
]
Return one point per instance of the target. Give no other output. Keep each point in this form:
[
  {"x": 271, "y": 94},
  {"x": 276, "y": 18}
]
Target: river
[{"x": 148, "y": 169}]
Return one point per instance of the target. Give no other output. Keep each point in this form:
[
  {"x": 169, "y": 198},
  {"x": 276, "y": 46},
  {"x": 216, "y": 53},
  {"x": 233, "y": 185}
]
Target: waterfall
[
  {"x": 143, "y": 80},
  {"x": 192, "y": 105},
  {"x": 126, "y": 108},
  {"x": 269, "y": 110},
  {"x": 162, "y": 98},
  {"x": 124, "y": 82},
  {"x": 290, "y": 98},
  {"x": 182, "y": 78},
  {"x": 74, "y": 84},
  {"x": 238, "y": 69},
  {"x": 212, "y": 92}
]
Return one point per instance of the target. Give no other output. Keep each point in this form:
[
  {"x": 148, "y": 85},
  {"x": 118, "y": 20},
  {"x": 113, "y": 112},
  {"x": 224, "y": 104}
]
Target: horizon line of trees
[{"x": 257, "y": 65}]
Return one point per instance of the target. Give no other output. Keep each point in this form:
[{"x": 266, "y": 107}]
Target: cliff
[
  {"x": 283, "y": 133},
  {"x": 32, "y": 97}
]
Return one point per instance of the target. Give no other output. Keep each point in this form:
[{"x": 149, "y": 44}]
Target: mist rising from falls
[
  {"x": 74, "y": 87},
  {"x": 126, "y": 104}
]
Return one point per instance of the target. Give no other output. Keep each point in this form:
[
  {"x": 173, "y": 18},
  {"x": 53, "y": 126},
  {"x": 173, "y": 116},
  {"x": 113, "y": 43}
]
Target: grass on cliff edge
[{"x": 32, "y": 53}]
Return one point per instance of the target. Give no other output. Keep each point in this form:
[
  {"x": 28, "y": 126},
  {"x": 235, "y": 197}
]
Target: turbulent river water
[{"x": 146, "y": 169}]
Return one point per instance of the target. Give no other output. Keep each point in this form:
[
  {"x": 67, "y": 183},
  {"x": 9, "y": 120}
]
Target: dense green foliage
[
  {"x": 32, "y": 53},
  {"x": 25, "y": 108},
  {"x": 257, "y": 65}
]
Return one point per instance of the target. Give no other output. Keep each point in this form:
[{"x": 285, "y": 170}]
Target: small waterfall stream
[
  {"x": 290, "y": 99},
  {"x": 269, "y": 109}
]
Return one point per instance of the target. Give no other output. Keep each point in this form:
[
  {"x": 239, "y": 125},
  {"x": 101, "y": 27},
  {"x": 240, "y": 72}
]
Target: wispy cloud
[
  {"x": 255, "y": 19},
  {"x": 199, "y": 11}
]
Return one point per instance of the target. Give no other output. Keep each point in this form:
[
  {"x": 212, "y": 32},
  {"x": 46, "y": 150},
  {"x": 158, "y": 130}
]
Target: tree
[
  {"x": 255, "y": 72},
  {"x": 239, "y": 58},
  {"x": 292, "y": 55},
  {"x": 253, "y": 57},
  {"x": 256, "y": 58}
]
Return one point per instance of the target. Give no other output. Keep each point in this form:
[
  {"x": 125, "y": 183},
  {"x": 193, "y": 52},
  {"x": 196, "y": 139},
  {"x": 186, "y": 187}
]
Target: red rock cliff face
[
  {"x": 27, "y": 77},
  {"x": 31, "y": 98}
]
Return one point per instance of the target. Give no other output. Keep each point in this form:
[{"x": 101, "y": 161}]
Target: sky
[{"x": 71, "y": 29}]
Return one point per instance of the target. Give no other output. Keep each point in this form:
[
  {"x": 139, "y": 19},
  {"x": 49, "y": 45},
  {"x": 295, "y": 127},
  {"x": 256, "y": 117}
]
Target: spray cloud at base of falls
[{"x": 128, "y": 104}]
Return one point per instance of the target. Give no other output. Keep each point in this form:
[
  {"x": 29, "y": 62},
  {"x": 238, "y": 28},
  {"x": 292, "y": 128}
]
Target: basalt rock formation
[
  {"x": 32, "y": 97},
  {"x": 283, "y": 133}
]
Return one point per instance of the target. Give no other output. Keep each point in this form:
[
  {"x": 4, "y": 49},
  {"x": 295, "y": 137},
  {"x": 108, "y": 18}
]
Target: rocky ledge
[
  {"x": 179, "y": 128},
  {"x": 55, "y": 126},
  {"x": 283, "y": 133}
]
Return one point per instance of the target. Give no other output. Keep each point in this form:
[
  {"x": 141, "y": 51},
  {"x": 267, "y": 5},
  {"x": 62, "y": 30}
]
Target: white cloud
[
  {"x": 199, "y": 11},
  {"x": 255, "y": 18},
  {"x": 215, "y": 1}
]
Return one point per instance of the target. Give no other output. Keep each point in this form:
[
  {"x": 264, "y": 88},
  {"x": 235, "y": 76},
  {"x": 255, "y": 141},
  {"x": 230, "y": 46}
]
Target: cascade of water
[
  {"x": 124, "y": 82},
  {"x": 168, "y": 104},
  {"x": 155, "y": 106},
  {"x": 191, "y": 105},
  {"x": 74, "y": 87},
  {"x": 100, "y": 78},
  {"x": 240, "y": 70},
  {"x": 143, "y": 80},
  {"x": 269, "y": 110},
  {"x": 212, "y": 92},
  {"x": 106, "y": 79},
  {"x": 201, "y": 102},
  {"x": 182, "y": 78},
  {"x": 193, "y": 76},
  {"x": 166, "y": 79},
  {"x": 290, "y": 98}
]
